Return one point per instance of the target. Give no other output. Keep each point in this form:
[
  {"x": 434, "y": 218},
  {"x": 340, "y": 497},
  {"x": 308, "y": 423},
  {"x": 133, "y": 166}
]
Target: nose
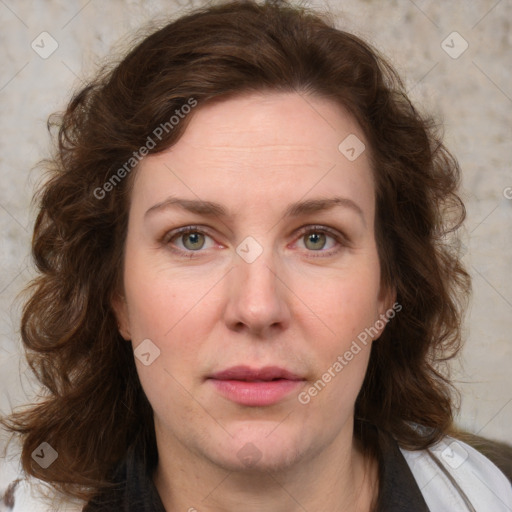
[{"x": 258, "y": 297}]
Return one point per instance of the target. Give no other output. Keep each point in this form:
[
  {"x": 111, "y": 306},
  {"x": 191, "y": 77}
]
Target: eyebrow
[{"x": 212, "y": 209}]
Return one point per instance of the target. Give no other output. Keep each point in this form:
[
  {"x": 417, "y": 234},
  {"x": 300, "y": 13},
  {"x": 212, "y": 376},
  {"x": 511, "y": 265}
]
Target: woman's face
[{"x": 248, "y": 288}]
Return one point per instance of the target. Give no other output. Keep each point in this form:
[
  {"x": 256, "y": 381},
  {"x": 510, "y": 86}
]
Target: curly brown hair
[{"x": 94, "y": 407}]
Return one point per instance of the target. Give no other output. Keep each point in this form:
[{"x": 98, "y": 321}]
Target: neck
[{"x": 339, "y": 478}]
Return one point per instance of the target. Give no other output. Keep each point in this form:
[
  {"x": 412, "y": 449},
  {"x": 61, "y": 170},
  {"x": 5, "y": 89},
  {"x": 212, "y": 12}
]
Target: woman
[{"x": 211, "y": 336}]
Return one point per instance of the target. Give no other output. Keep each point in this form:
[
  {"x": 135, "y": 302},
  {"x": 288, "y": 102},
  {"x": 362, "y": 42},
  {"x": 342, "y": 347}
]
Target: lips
[
  {"x": 245, "y": 373},
  {"x": 255, "y": 387}
]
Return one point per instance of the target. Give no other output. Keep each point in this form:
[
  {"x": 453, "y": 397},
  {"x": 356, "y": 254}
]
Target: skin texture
[{"x": 292, "y": 307}]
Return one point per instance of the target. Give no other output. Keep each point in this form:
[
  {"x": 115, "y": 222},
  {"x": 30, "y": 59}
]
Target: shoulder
[{"x": 453, "y": 473}]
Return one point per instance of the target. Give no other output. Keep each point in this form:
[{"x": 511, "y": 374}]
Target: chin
[{"x": 260, "y": 450}]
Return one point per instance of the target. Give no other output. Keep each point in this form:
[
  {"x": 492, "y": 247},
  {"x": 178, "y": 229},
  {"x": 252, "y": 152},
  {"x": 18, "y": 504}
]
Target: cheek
[
  {"x": 347, "y": 308},
  {"x": 343, "y": 352},
  {"x": 163, "y": 301},
  {"x": 176, "y": 312},
  {"x": 167, "y": 393},
  {"x": 343, "y": 304}
]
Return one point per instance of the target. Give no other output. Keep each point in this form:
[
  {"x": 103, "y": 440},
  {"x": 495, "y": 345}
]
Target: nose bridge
[
  {"x": 257, "y": 297},
  {"x": 258, "y": 279}
]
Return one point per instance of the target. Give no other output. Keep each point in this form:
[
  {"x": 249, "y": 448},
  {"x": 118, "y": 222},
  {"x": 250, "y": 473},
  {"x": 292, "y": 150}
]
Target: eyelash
[{"x": 341, "y": 240}]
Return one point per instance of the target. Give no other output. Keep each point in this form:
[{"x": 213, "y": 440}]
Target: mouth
[{"x": 255, "y": 387}]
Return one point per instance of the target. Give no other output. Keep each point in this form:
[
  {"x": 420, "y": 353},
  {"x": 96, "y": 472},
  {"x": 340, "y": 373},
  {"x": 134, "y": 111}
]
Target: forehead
[
  {"x": 257, "y": 122},
  {"x": 260, "y": 146}
]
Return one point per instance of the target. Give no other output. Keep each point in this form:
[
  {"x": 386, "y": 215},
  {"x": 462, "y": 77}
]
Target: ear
[
  {"x": 387, "y": 297},
  {"x": 120, "y": 307},
  {"x": 387, "y": 308}
]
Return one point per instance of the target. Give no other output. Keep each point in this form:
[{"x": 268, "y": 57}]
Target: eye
[
  {"x": 315, "y": 239},
  {"x": 192, "y": 240}
]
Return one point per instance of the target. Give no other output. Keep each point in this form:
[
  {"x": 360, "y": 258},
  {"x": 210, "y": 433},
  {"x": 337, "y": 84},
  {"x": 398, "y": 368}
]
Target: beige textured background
[{"x": 471, "y": 94}]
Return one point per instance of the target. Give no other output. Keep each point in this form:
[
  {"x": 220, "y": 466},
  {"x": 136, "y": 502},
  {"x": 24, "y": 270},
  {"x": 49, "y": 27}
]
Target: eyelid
[
  {"x": 173, "y": 233},
  {"x": 325, "y": 229}
]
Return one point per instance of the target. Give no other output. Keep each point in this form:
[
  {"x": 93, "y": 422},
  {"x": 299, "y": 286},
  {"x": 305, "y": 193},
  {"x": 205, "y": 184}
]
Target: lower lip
[{"x": 256, "y": 393}]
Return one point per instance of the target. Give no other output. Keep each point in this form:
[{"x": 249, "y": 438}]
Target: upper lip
[{"x": 251, "y": 374}]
